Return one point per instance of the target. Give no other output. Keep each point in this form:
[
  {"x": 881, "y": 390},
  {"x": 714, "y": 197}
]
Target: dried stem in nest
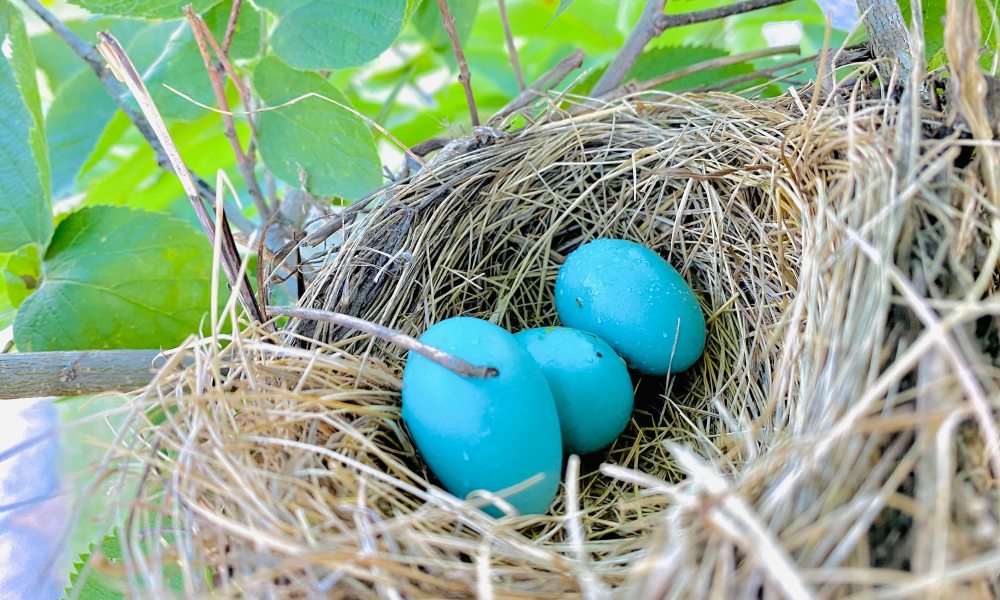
[
  {"x": 451, "y": 362},
  {"x": 463, "y": 67},
  {"x": 125, "y": 71}
]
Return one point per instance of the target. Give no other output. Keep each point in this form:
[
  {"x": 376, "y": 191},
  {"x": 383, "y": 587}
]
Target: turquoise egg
[
  {"x": 629, "y": 296},
  {"x": 589, "y": 381},
  {"x": 484, "y": 434}
]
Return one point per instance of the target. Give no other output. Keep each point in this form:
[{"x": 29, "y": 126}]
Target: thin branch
[
  {"x": 121, "y": 66},
  {"x": 546, "y": 82},
  {"x": 511, "y": 48},
  {"x": 42, "y": 374},
  {"x": 243, "y": 162},
  {"x": 711, "y": 14},
  {"x": 645, "y": 30},
  {"x": 463, "y": 67},
  {"x": 652, "y": 23},
  {"x": 451, "y": 362},
  {"x": 234, "y": 15}
]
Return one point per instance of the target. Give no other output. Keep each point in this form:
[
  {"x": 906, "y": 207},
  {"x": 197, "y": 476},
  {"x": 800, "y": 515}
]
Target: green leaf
[
  {"x": 77, "y": 118},
  {"x": 934, "y": 20},
  {"x": 25, "y": 201},
  {"x": 22, "y": 273},
  {"x": 144, "y": 8},
  {"x": 94, "y": 584},
  {"x": 332, "y": 34},
  {"x": 333, "y": 149},
  {"x": 427, "y": 19},
  {"x": 563, "y": 5},
  {"x": 117, "y": 278}
]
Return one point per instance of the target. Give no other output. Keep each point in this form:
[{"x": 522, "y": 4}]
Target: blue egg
[
  {"x": 484, "y": 434},
  {"x": 589, "y": 381},
  {"x": 629, "y": 296}
]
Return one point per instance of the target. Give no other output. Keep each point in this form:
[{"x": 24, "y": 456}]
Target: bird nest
[{"x": 836, "y": 438}]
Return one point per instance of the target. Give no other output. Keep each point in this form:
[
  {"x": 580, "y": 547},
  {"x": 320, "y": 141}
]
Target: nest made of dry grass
[{"x": 833, "y": 441}]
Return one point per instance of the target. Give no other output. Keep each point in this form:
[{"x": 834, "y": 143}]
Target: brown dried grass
[{"x": 835, "y": 440}]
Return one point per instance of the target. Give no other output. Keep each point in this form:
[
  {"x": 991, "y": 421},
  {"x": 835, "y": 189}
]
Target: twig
[
  {"x": 38, "y": 374},
  {"x": 122, "y": 67},
  {"x": 711, "y": 14},
  {"x": 451, "y": 362},
  {"x": 463, "y": 67},
  {"x": 645, "y": 30},
  {"x": 234, "y": 15},
  {"x": 652, "y": 23},
  {"x": 511, "y": 48},
  {"x": 243, "y": 161},
  {"x": 550, "y": 79}
]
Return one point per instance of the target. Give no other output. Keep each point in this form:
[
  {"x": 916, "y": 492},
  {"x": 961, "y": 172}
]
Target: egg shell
[
  {"x": 632, "y": 298},
  {"x": 484, "y": 434},
  {"x": 589, "y": 381}
]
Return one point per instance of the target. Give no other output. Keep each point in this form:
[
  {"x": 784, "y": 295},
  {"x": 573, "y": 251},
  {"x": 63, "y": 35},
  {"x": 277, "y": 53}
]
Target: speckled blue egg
[
  {"x": 629, "y": 296},
  {"x": 589, "y": 382},
  {"x": 484, "y": 434}
]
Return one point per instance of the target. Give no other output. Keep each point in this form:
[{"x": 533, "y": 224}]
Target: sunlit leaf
[
  {"x": 163, "y": 9},
  {"x": 25, "y": 203},
  {"x": 312, "y": 139},
  {"x": 116, "y": 277},
  {"x": 331, "y": 34}
]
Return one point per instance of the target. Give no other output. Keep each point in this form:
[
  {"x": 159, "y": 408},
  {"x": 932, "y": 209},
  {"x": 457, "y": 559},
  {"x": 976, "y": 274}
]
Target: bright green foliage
[
  {"x": 117, "y": 278},
  {"x": 563, "y": 5},
  {"x": 163, "y": 9},
  {"x": 660, "y": 61},
  {"x": 429, "y": 23},
  {"x": 934, "y": 19},
  {"x": 94, "y": 584},
  {"x": 73, "y": 141},
  {"x": 313, "y": 140},
  {"x": 332, "y": 34},
  {"x": 25, "y": 204},
  {"x": 70, "y": 138},
  {"x": 22, "y": 273}
]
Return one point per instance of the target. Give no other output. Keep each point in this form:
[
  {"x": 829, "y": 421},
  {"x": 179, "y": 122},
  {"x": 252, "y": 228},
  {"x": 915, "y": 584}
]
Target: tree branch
[
  {"x": 37, "y": 374},
  {"x": 890, "y": 39},
  {"x": 652, "y": 23},
  {"x": 463, "y": 67},
  {"x": 511, "y": 48},
  {"x": 711, "y": 14},
  {"x": 645, "y": 30}
]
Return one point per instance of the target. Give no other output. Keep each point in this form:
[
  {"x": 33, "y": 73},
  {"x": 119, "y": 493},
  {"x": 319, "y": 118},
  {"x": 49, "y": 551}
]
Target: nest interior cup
[
  {"x": 484, "y": 233},
  {"x": 764, "y": 469}
]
